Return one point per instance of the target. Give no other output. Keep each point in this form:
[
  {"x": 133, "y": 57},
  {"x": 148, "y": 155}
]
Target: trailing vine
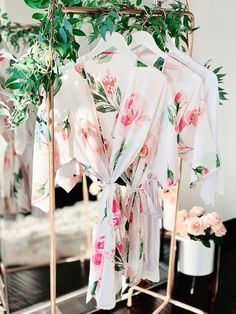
[{"x": 30, "y": 76}]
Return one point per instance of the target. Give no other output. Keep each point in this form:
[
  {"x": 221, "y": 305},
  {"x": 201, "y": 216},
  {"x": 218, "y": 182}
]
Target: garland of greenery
[
  {"x": 31, "y": 75},
  {"x": 15, "y": 34}
]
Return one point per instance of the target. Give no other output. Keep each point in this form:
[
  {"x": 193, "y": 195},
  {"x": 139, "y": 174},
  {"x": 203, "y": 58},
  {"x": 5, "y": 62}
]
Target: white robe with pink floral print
[{"x": 107, "y": 111}]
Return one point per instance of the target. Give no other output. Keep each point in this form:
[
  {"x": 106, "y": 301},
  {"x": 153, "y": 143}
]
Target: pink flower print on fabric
[
  {"x": 181, "y": 125},
  {"x": 120, "y": 248},
  {"x": 116, "y": 218},
  {"x": 98, "y": 250},
  {"x": 115, "y": 206},
  {"x": 180, "y": 97},
  {"x": 109, "y": 83},
  {"x": 91, "y": 136},
  {"x": 193, "y": 116},
  {"x": 149, "y": 148},
  {"x": 79, "y": 68},
  {"x": 133, "y": 112},
  {"x": 99, "y": 244}
]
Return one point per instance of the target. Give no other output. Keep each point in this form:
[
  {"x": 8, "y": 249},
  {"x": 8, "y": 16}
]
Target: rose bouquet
[{"x": 199, "y": 225}]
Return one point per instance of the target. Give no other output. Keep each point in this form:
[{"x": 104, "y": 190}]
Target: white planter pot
[{"x": 194, "y": 258}]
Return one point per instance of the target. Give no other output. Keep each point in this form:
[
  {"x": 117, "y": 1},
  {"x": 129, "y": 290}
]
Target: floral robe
[
  {"x": 14, "y": 164},
  {"x": 191, "y": 114},
  {"x": 215, "y": 181},
  {"x": 106, "y": 110}
]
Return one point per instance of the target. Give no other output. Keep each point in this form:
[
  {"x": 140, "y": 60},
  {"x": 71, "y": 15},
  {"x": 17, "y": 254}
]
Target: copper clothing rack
[{"x": 171, "y": 272}]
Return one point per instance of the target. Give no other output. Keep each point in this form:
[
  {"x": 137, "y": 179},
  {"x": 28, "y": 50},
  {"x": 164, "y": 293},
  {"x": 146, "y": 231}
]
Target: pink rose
[
  {"x": 205, "y": 171},
  {"x": 170, "y": 182},
  {"x": 120, "y": 248},
  {"x": 109, "y": 83},
  {"x": 213, "y": 219},
  {"x": 129, "y": 117},
  {"x": 115, "y": 206},
  {"x": 91, "y": 136},
  {"x": 219, "y": 230},
  {"x": 196, "y": 211},
  {"x": 181, "y": 125},
  {"x": 97, "y": 258},
  {"x": 116, "y": 221},
  {"x": 194, "y": 226},
  {"x": 179, "y": 97},
  {"x": 79, "y": 68},
  {"x": 194, "y": 116},
  {"x": 144, "y": 151},
  {"x": 99, "y": 244}
]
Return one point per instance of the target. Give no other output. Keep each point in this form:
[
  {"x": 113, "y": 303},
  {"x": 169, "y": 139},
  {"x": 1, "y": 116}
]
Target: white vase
[{"x": 194, "y": 258}]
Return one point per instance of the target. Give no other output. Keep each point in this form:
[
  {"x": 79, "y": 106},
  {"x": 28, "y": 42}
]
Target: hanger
[
  {"x": 112, "y": 40},
  {"x": 145, "y": 39}
]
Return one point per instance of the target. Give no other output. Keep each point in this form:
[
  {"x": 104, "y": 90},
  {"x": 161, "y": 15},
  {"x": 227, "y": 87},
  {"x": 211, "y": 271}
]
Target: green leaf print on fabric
[
  {"x": 119, "y": 264},
  {"x": 141, "y": 248},
  {"x": 106, "y": 95},
  {"x": 170, "y": 115},
  {"x": 118, "y": 96},
  {"x": 159, "y": 63},
  {"x": 94, "y": 287},
  {"x": 18, "y": 175},
  {"x": 105, "y": 108},
  {"x": 200, "y": 172},
  {"x": 119, "y": 154},
  {"x": 119, "y": 295},
  {"x": 218, "y": 163},
  {"x": 140, "y": 64}
]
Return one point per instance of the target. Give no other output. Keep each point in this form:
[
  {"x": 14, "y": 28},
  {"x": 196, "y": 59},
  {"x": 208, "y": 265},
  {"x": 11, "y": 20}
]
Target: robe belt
[{"x": 147, "y": 202}]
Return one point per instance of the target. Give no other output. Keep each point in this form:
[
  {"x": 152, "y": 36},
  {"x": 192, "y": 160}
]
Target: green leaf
[
  {"x": 113, "y": 14},
  {"x": 129, "y": 39},
  {"x": 217, "y": 161},
  {"x": 38, "y": 4},
  {"x": 103, "y": 31},
  {"x": 105, "y": 109},
  {"x": 119, "y": 295},
  {"x": 63, "y": 35},
  {"x": 140, "y": 64},
  {"x": 119, "y": 267},
  {"x": 170, "y": 115},
  {"x": 78, "y": 32},
  {"x": 109, "y": 25},
  {"x": 138, "y": 2},
  {"x": 68, "y": 25},
  {"x": 38, "y": 16},
  {"x": 93, "y": 288},
  {"x": 118, "y": 96},
  {"x": 57, "y": 85},
  {"x": 16, "y": 85},
  {"x": 159, "y": 63}
]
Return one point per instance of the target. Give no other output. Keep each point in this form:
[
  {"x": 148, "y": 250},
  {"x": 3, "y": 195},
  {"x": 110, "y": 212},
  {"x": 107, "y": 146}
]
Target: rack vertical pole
[{"x": 52, "y": 222}]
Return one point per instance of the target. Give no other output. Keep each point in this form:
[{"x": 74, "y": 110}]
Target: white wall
[{"x": 214, "y": 40}]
